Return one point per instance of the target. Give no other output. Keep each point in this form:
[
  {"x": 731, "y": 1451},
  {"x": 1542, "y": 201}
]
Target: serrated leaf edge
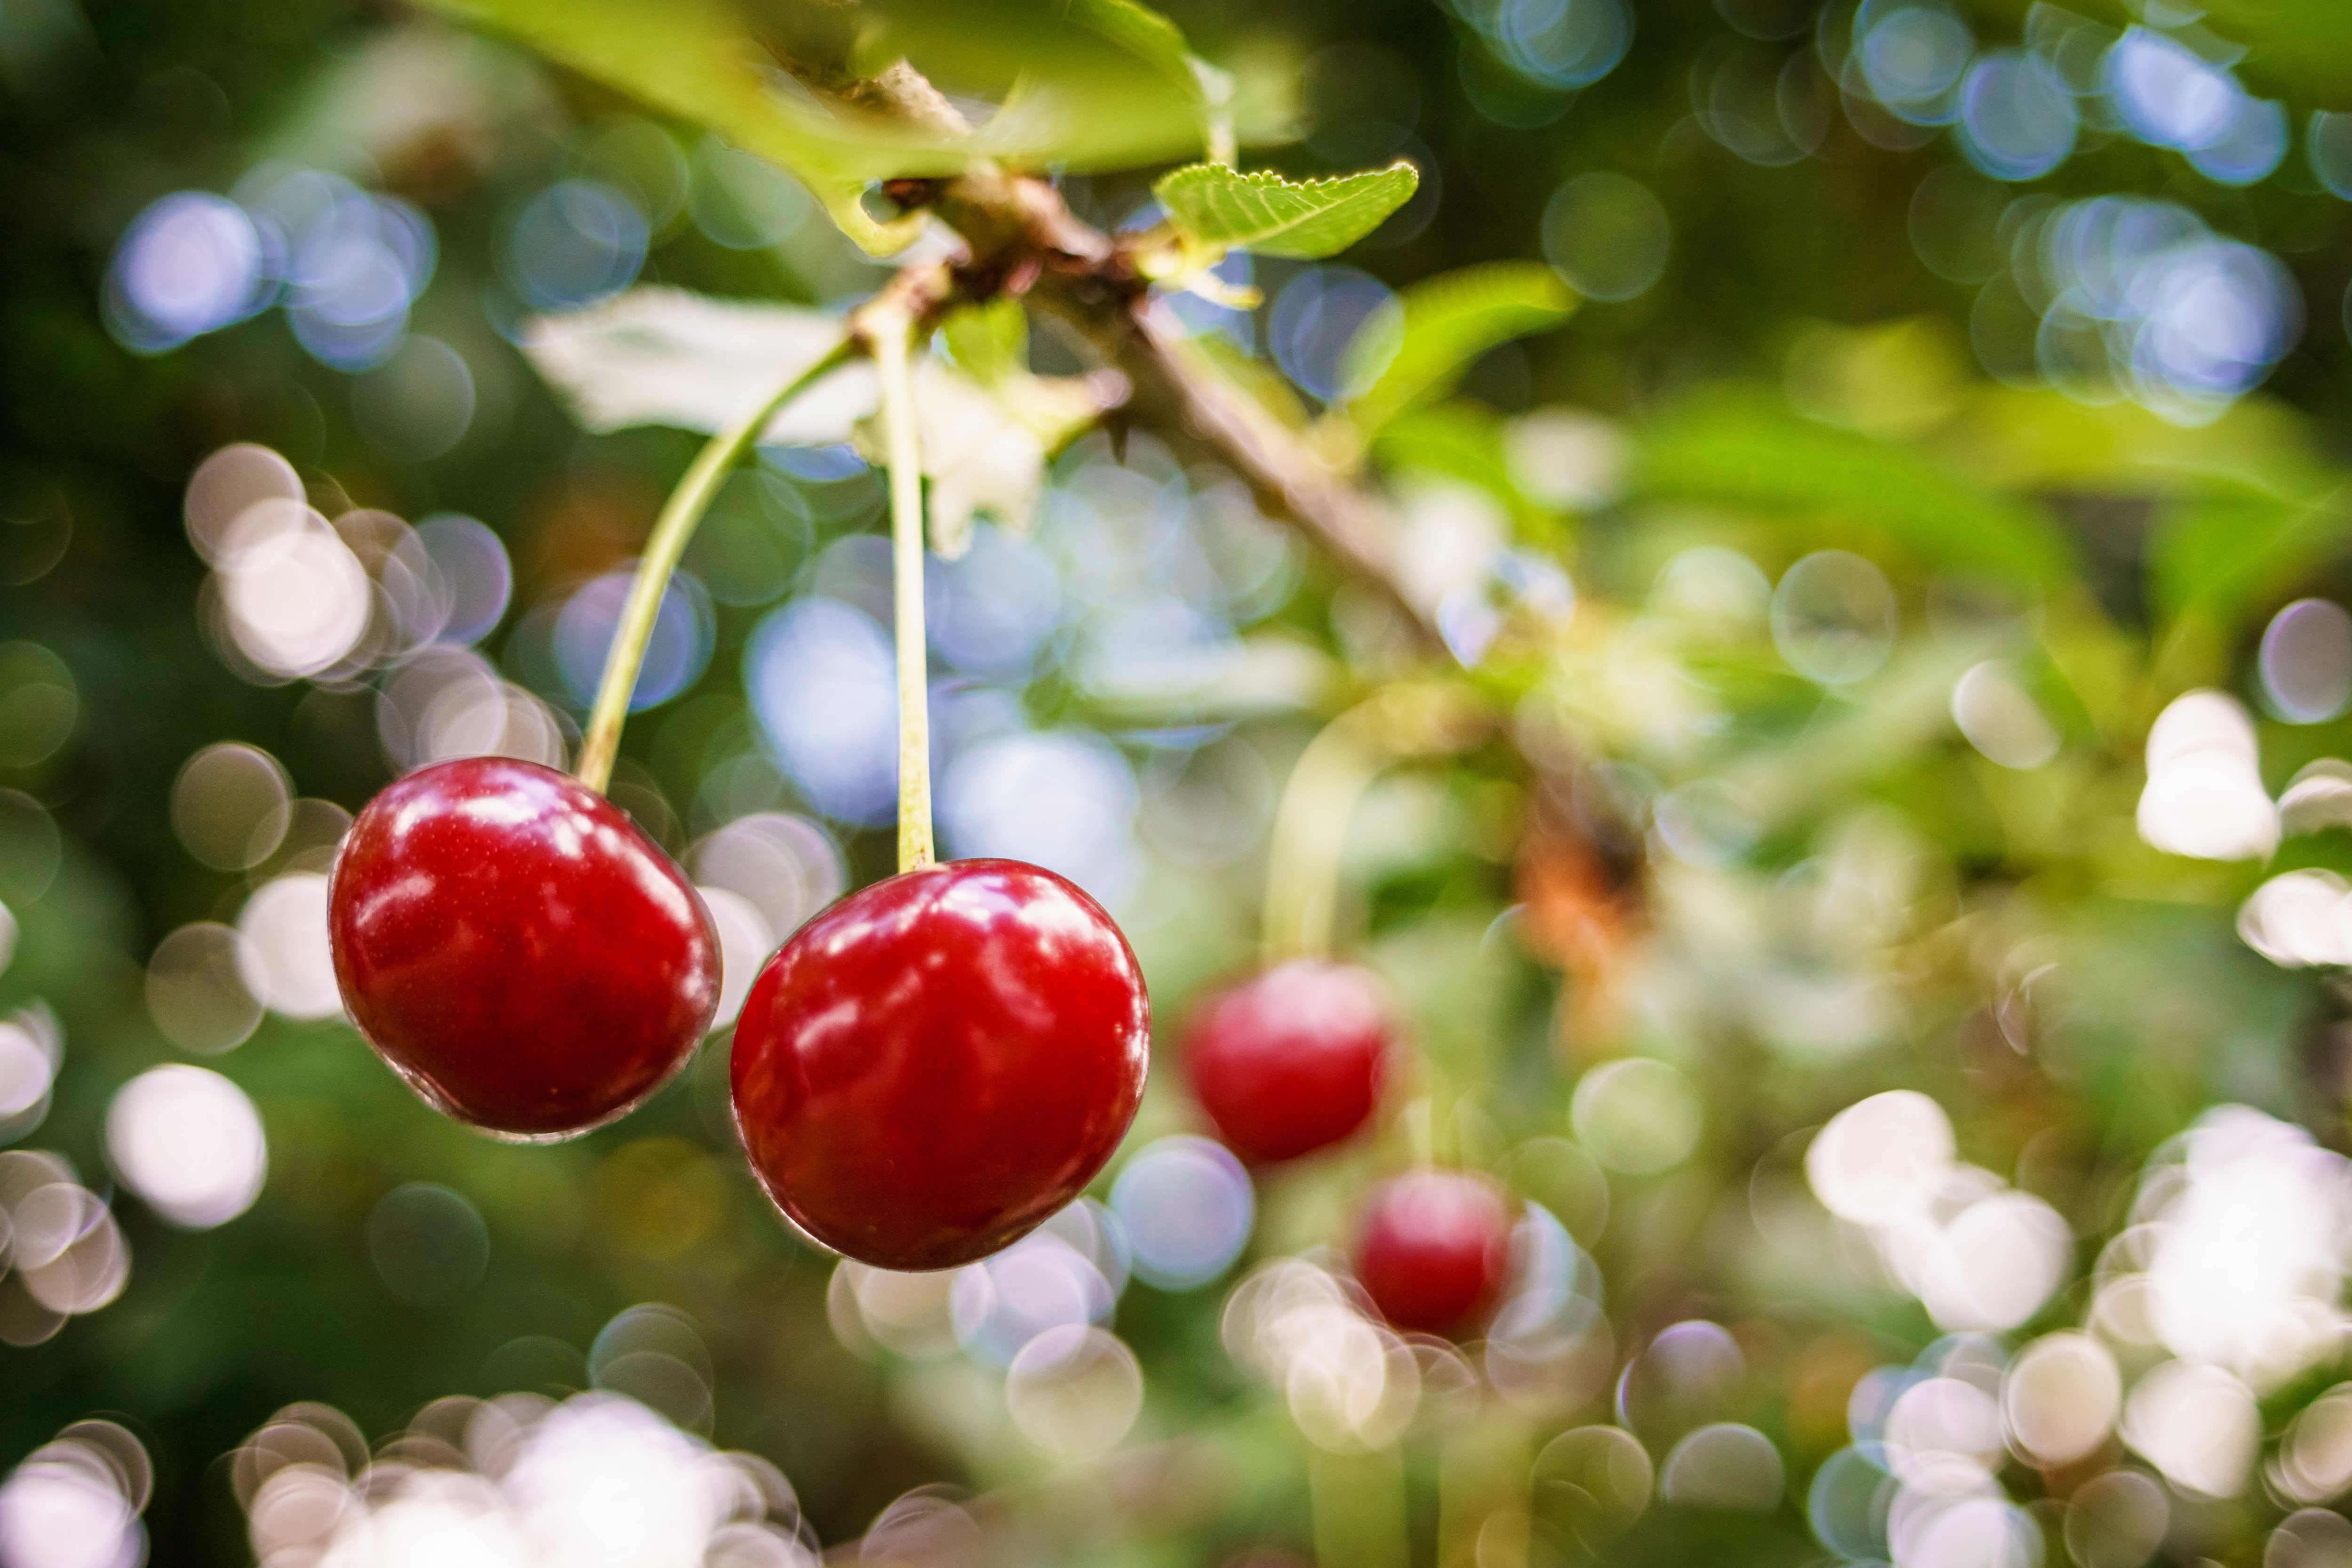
[{"x": 1267, "y": 180}]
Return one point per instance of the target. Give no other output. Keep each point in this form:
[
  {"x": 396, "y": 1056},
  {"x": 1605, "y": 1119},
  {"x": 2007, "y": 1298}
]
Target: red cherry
[
  {"x": 932, "y": 1067},
  {"x": 518, "y": 949},
  {"x": 1433, "y": 1248},
  {"x": 1293, "y": 1060}
]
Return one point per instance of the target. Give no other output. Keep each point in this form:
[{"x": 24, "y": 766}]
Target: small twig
[{"x": 1021, "y": 237}]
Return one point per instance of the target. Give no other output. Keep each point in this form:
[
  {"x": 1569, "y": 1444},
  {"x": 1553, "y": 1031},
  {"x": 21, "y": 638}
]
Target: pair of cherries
[
  {"x": 922, "y": 1074},
  {"x": 926, "y": 1070},
  {"x": 1294, "y": 1059}
]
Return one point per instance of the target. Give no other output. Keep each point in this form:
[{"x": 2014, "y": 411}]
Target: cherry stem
[
  {"x": 1482, "y": 1486},
  {"x": 1358, "y": 1504},
  {"x": 1310, "y": 823},
  {"x": 890, "y": 331},
  {"x": 1420, "y": 1122},
  {"x": 680, "y": 515},
  {"x": 1310, "y": 829}
]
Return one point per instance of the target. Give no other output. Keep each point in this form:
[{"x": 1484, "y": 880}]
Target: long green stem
[
  {"x": 1310, "y": 829},
  {"x": 891, "y": 333},
  {"x": 1310, "y": 822},
  {"x": 1482, "y": 1488},
  {"x": 1358, "y": 1505},
  {"x": 672, "y": 530}
]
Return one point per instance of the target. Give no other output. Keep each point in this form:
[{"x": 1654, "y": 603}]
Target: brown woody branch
[
  {"x": 1175, "y": 390},
  {"x": 1020, "y": 239}
]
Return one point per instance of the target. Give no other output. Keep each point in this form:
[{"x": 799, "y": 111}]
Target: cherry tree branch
[
  {"x": 1020, "y": 237},
  {"x": 1177, "y": 393}
]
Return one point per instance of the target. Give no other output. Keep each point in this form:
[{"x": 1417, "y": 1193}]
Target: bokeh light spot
[
  {"x": 1074, "y": 1391},
  {"x": 2000, "y": 717},
  {"x": 2306, "y": 661},
  {"x": 1315, "y": 320},
  {"x": 1607, "y": 235},
  {"x": 474, "y": 576},
  {"x": 1726, "y": 1466},
  {"x": 1188, "y": 1207},
  {"x": 675, "y": 655},
  {"x": 1834, "y": 617},
  {"x": 2328, "y": 142},
  {"x": 824, "y": 682},
  {"x": 1639, "y": 1116},
  {"x": 197, "y": 990},
  {"x": 2204, "y": 797},
  {"x": 189, "y": 1143},
  {"x": 417, "y": 403},
  {"x": 573, "y": 244},
  {"x": 2017, "y": 120},
  {"x": 1065, "y": 801},
  {"x": 231, "y": 805},
  {"x": 190, "y": 263},
  {"x": 428, "y": 1243},
  {"x": 286, "y": 959}
]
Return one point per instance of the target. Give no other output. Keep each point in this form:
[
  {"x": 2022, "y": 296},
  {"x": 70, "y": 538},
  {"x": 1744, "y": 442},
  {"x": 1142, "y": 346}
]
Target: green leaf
[
  {"x": 1218, "y": 209},
  {"x": 2225, "y": 548},
  {"x": 1141, "y": 32},
  {"x": 695, "y": 59},
  {"x": 1099, "y": 84},
  {"x": 1160, "y": 44},
  {"x": 1415, "y": 350},
  {"x": 2305, "y": 43},
  {"x": 1749, "y": 453},
  {"x": 1466, "y": 440},
  {"x": 1085, "y": 84},
  {"x": 2026, "y": 439}
]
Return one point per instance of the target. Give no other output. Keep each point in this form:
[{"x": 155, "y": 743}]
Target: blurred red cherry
[
  {"x": 932, "y": 1067},
  {"x": 1292, "y": 1059},
  {"x": 1433, "y": 1248},
  {"x": 518, "y": 949}
]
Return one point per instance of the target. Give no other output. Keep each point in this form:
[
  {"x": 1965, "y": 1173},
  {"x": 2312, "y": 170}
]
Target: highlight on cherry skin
[
  {"x": 1292, "y": 1059},
  {"x": 518, "y": 949},
  {"x": 1433, "y": 1249},
  {"x": 932, "y": 1067}
]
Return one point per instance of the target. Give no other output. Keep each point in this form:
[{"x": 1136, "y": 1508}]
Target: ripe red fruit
[
  {"x": 1292, "y": 1059},
  {"x": 932, "y": 1067},
  {"x": 518, "y": 949},
  {"x": 1433, "y": 1248}
]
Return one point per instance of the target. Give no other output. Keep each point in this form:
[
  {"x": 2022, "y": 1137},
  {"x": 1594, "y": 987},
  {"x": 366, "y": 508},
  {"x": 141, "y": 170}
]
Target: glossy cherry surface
[
  {"x": 1292, "y": 1059},
  {"x": 518, "y": 949},
  {"x": 933, "y": 1066},
  {"x": 1433, "y": 1249}
]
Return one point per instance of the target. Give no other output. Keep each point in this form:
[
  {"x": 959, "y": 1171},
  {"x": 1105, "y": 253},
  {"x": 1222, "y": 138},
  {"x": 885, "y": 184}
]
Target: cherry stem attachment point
[
  {"x": 601, "y": 743},
  {"x": 889, "y": 332}
]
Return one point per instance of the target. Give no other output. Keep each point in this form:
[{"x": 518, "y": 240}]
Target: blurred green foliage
[{"x": 1672, "y": 838}]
